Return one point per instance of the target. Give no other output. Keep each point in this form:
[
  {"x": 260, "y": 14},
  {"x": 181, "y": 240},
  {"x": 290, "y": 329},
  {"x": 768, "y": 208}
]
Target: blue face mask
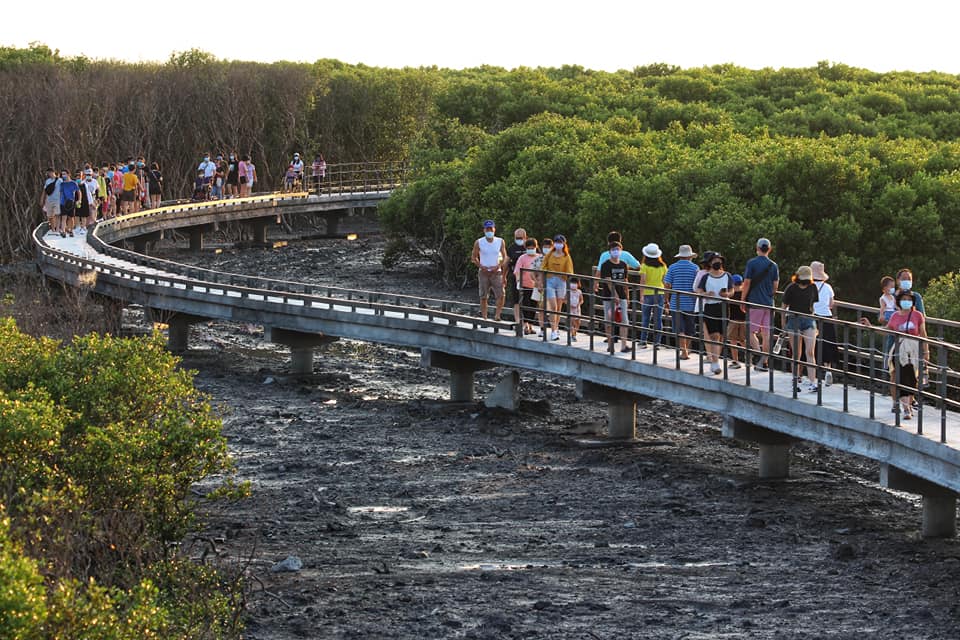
[
  {"x": 140, "y": 164},
  {"x": 558, "y": 246},
  {"x": 615, "y": 253},
  {"x": 531, "y": 252},
  {"x": 488, "y": 234},
  {"x": 906, "y": 285},
  {"x": 110, "y": 174},
  {"x": 906, "y": 304},
  {"x": 520, "y": 241}
]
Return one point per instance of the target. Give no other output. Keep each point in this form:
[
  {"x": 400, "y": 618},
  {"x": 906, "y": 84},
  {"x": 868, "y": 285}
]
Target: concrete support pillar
[
  {"x": 506, "y": 394},
  {"x": 196, "y": 239},
  {"x": 774, "y": 446},
  {"x": 621, "y": 408},
  {"x": 461, "y": 370},
  {"x": 332, "y": 219},
  {"x": 259, "y": 227},
  {"x": 178, "y": 334},
  {"x": 939, "y": 518},
  {"x": 141, "y": 244},
  {"x": 301, "y": 346}
]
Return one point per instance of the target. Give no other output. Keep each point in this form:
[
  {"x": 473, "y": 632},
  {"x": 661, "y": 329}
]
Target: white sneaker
[
  {"x": 828, "y": 378},
  {"x": 716, "y": 369},
  {"x": 812, "y": 387},
  {"x": 554, "y": 335}
]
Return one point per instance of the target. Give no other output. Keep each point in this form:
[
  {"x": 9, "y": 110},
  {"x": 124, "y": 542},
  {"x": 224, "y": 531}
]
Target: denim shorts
[
  {"x": 800, "y": 323},
  {"x": 556, "y": 288}
]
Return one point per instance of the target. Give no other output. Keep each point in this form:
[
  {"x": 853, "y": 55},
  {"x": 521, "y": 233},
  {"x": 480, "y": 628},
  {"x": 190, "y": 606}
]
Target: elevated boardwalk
[{"x": 760, "y": 407}]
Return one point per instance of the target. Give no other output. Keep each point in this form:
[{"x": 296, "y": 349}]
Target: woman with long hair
[{"x": 558, "y": 264}]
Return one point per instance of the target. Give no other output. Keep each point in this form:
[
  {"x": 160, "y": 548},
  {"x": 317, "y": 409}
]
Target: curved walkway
[{"x": 304, "y": 316}]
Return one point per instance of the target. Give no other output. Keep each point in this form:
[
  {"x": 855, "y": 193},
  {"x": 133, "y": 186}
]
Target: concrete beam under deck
[
  {"x": 774, "y": 446},
  {"x": 461, "y": 370},
  {"x": 301, "y": 346},
  {"x": 621, "y": 408},
  {"x": 939, "y": 503}
]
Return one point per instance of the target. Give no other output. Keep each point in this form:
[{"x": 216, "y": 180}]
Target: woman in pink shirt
[{"x": 527, "y": 282}]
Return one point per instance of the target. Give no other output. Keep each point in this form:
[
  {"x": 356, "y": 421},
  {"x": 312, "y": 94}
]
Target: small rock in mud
[{"x": 291, "y": 564}]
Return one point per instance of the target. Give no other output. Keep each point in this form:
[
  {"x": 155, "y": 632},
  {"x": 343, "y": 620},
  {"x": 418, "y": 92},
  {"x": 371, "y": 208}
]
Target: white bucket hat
[{"x": 652, "y": 250}]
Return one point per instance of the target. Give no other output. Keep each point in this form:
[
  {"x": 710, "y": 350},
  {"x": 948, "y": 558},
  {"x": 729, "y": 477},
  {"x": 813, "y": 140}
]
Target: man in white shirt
[
  {"x": 208, "y": 167},
  {"x": 490, "y": 256}
]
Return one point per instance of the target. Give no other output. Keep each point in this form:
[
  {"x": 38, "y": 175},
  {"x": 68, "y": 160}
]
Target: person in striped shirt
[{"x": 680, "y": 278}]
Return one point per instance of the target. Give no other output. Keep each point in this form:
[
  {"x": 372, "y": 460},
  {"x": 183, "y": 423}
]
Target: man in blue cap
[{"x": 490, "y": 256}]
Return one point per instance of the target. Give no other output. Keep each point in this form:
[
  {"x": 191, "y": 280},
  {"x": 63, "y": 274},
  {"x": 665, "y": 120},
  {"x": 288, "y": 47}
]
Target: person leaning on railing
[{"x": 905, "y": 355}]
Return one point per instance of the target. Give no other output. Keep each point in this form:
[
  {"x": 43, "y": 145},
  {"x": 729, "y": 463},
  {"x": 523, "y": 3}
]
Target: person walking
[
  {"x": 154, "y": 185},
  {"x": 827, "y": 347},
  {"x": 319, "y": 171},
  {"x": 557, "y": 265},
  {"x": 613, "y": 291},
  {"x": 679, "y": 280},
  {"x": 50, "y": 200},
  {"x": 528, "y": 281},
  {"x": 490, "y": 255},
  {"x": 760, "y": 280},
  {"x": 233, "y": 175},
  {"x": 516, "y": 249},
  {"x": 716, "y": 285},
  {"x": 652, "y": 271},
  {"x": 799, "y": 298},
  {"x": 69, "y": 197}
]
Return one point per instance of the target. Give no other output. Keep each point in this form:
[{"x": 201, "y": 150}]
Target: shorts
[
  {"x": 685, "y": 323},
  {"x": 759, "y": 319},
  {"x": 68, "y": 212},
  {"x": 128, "y": 196},
  {"x": 52, "y": 209},
  {"x": 490, "y": 281},
  {"x": 736, "y": 332},
  {"x": 801, "y": 324},
  {"x": 610, "y": 305},
  {"x": 713, "y": 318},
  {"x": 556, "y": 288}
]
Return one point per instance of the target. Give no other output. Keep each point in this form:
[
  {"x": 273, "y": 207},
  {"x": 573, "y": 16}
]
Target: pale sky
[{"x": 881, "y": 35}]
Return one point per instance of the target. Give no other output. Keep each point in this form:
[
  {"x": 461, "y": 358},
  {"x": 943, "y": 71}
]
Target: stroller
[{"x": 201, "y": 188}]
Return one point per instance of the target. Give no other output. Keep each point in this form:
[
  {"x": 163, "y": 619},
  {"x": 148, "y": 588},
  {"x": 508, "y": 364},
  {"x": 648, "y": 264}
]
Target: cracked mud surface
[{"x": 418, "y": 518}]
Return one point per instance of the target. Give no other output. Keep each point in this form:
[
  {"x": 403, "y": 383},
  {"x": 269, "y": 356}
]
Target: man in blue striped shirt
[{"x": 680, "y": 277}]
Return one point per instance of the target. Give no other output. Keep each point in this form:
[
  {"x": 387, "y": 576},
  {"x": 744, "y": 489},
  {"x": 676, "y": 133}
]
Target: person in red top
[{"x": 527, "y": 282}]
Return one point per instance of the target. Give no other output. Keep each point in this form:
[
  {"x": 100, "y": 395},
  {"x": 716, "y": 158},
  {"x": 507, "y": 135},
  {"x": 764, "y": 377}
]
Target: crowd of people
[
  {"x": 73, "y": 200},
  {"x": 222, "y": 177},
  {"x": 706, "y": 303}
]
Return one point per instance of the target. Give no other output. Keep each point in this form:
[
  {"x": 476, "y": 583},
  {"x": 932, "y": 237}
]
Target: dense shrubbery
[{"x": 100, "y": 441}]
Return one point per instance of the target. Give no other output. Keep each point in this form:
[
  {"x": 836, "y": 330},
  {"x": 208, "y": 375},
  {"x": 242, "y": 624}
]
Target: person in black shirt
[
  {"x": 615, "y": 296},
  {"x": 798, "y": 298},
  {"x": 514, "y": 251}
]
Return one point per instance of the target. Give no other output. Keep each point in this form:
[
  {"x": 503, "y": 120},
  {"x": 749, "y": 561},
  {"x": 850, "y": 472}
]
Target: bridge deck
[{"x": 935, "y": 423}]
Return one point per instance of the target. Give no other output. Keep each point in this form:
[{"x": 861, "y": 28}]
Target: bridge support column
[
  {"x": 621, "y": 408},
  {"x": 141, "y": 244},
  {"x": 301, "y": 346},
  {"x": 461, "y": 370},
  {"x": 259, "y": 227},
  {"x": 939, "y": 503},
  {"x": 332, "y": 219},
  {"x": 774, "y": 446},
  {"x": 178, "y": 331},
  {"x": 196, "y": 236}
]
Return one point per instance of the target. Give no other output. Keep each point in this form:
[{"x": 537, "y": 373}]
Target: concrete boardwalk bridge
[{"x": 853, "y": 415}]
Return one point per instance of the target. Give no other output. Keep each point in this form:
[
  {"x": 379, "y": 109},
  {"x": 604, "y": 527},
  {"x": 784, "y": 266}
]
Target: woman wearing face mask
[
  {"x": 560, "y": 264},
  {"x": 716, "y": 285},
  {"x": 905, "y": 283},
  {"x": 528, "y": 281},
  {"x": 903, "y": 359},
  {"x": 799, "y": 297}
]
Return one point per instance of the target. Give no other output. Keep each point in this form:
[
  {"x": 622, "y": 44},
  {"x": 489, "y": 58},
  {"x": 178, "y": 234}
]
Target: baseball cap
[
  {"x": 489, "y": 224},
  {"x": 763, "y": 243},
  {"x": 737, "y": 279}
]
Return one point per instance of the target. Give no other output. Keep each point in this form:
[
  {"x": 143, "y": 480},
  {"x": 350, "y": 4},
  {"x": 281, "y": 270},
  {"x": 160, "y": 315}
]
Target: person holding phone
[{"x": 716, "y": 285}]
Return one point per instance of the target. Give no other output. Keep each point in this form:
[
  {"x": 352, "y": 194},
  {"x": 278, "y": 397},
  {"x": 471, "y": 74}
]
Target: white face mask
[
  {"x": 558, "y": 247},
  {"x": 891, "y": 290},
  {"x": 531, "y": 252},
  {"x": 573, "y": 286},
  {"x": 520, "y": 241}
]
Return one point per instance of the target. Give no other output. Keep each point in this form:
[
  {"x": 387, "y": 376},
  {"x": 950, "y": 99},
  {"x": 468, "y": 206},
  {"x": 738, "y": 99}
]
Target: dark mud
[{"x": 416, "y": 518}]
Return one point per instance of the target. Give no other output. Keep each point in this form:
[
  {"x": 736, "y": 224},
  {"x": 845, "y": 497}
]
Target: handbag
[{"x": 536, "y": 296}]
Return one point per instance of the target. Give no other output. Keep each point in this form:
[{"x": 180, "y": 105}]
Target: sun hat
[
  {"x": 804, "y": 273},
  {"x": 707, "y": 256},
  {"x": 818, "y": 273},
  {"x": 686, "y": 251},
  {"x": 489, "y": 224},
  {"x": 652, "y": 250}
]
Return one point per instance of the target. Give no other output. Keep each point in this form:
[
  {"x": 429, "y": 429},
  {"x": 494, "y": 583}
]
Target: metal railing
[
  {"x": 869, "y": 357},
  {"x": 352, "y": 177}
]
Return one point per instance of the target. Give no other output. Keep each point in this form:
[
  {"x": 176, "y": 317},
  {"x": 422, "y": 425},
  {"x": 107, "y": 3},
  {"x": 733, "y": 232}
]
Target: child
[
  {"x": 290, "y": 177},
  {"x": 574, "y": 300},
  {"x": 888, "y": 306},
  {"x": 200, "y": 186},
  {"x": 737, "y": 324}
]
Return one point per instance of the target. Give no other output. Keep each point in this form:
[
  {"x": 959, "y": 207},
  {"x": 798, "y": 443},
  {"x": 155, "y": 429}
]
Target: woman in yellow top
[
  {"x": 652, "y": 270},
  {"x": 131, "y": 186},
  {"x": 555, "y": 288}
]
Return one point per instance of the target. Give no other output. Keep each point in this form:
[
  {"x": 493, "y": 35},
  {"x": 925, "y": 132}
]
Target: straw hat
[{"x": 818, "y": 273}]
